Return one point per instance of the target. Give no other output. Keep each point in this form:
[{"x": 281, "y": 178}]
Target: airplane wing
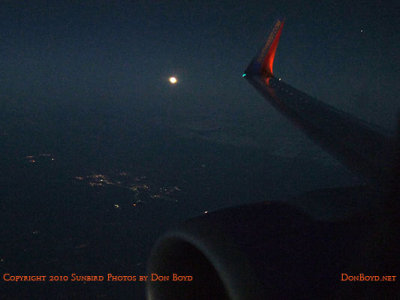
[
  {"x": 274, "y": 250},
  {"x": 362, "y": 147}
]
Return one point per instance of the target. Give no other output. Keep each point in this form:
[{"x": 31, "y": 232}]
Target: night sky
[
  {"x": 342, "y": 52},
  {"x": 86, "y": 83}
]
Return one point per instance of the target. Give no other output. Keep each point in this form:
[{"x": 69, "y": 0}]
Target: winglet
[{"x": 262, "y": 64}]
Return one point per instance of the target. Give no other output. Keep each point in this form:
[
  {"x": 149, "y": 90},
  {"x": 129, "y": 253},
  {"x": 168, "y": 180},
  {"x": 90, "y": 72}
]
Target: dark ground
[{"x": 54, "y": 224}]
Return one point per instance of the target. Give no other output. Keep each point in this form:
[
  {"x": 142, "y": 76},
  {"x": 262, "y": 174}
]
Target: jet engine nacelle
[{"x": 259, "y": 251}]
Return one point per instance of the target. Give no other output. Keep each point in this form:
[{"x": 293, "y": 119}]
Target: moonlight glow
[{"x": 173, "y": 80}]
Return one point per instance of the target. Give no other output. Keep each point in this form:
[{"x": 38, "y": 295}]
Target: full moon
[{"x": 173, "y": 80}]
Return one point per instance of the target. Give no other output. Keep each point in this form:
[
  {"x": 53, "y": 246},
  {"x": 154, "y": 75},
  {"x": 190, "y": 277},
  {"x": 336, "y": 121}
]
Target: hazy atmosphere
[{"x": 101, "y": 153}]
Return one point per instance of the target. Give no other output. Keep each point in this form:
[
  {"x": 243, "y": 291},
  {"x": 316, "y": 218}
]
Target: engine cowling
[{"x": 259, "y": 251}]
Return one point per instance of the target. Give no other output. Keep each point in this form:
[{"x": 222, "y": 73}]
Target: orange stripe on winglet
[{"x": 268, "y": 62}]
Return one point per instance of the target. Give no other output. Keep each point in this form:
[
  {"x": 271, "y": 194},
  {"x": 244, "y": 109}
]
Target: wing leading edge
[{"x": 360, "y": 146}]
